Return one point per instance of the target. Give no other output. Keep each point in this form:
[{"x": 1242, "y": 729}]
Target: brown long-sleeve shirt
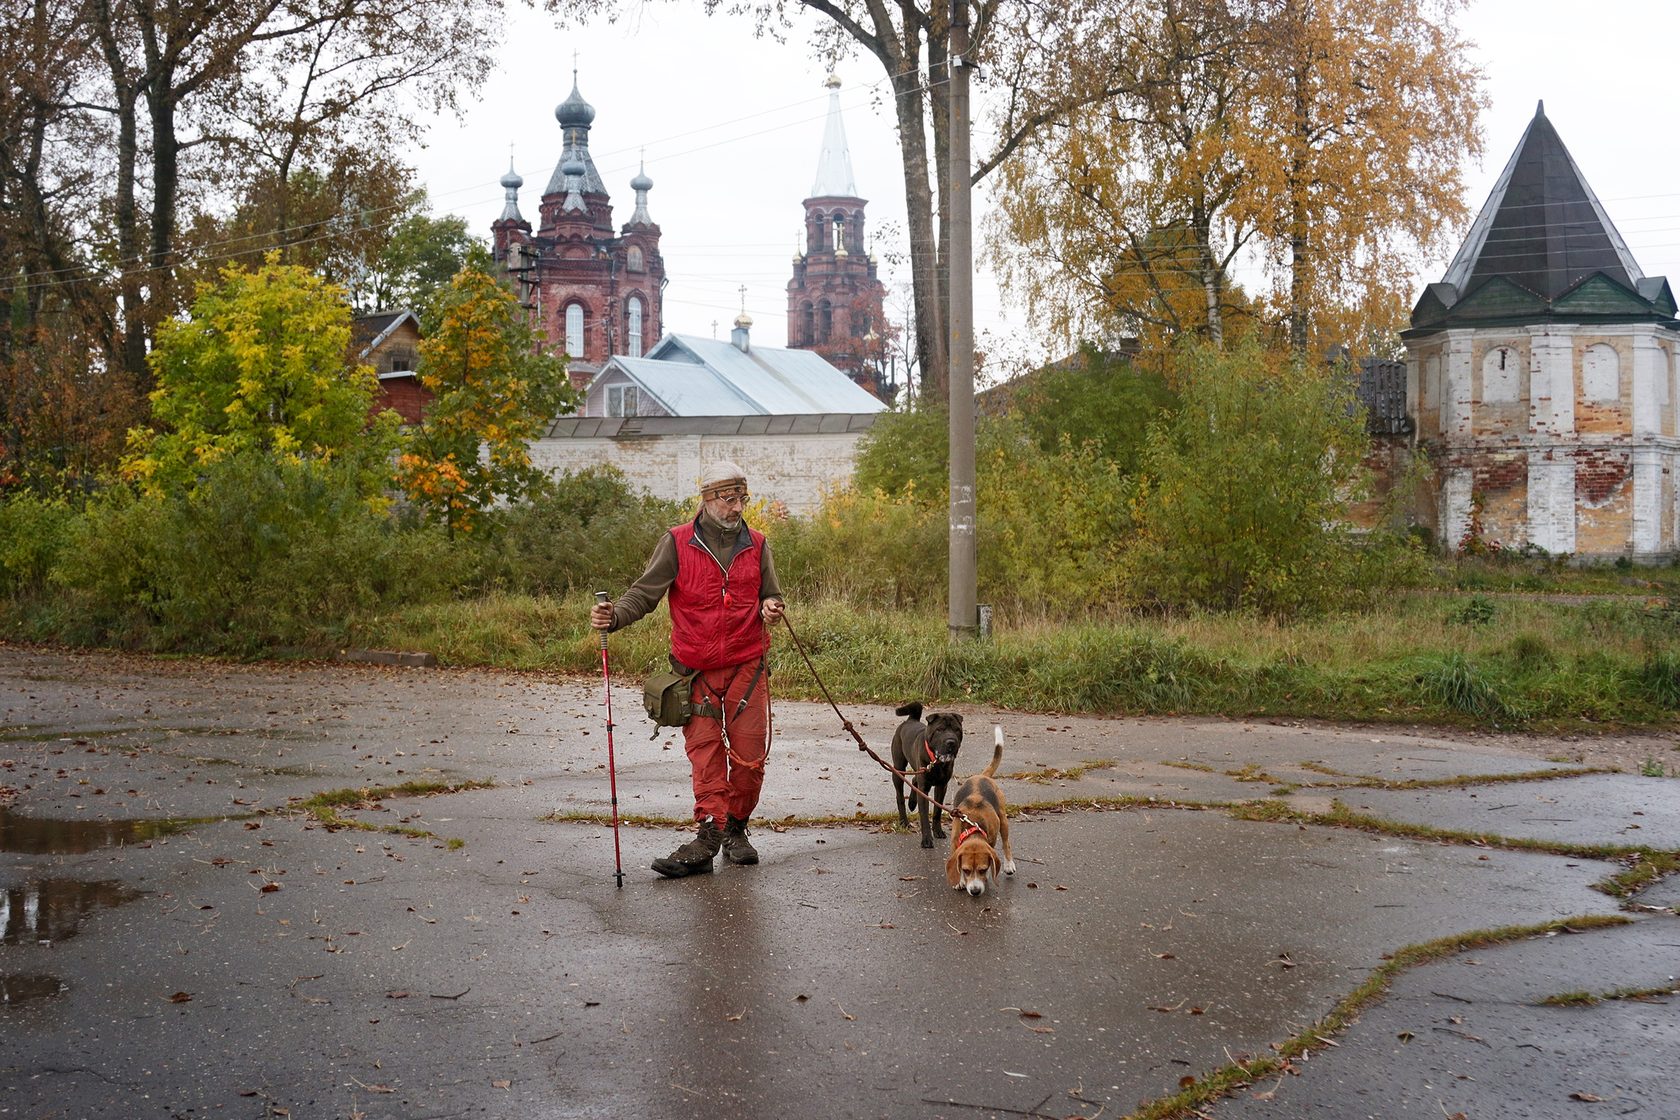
[{"x": 661, "y": 572}]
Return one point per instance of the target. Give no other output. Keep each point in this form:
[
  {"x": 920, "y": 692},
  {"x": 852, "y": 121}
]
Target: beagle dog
[{"x": 979, "y": 808}]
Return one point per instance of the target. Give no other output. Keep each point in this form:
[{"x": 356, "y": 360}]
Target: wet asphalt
[{"x": 179, "y": 940}]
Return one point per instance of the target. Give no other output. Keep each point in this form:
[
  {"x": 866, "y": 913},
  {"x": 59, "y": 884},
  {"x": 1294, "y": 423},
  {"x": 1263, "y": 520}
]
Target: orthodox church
[
  {"x": 1543, "y": 373},
  {"x": 835, "y": 298},
  {"x": 595, "y": 291}
]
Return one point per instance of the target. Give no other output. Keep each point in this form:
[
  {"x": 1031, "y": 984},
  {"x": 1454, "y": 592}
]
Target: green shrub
[
  {"x": 864, "y": 547},
  {"x": 261, "y": 553},
  {"x": 585, "y": 530},
  {"x": 33, "y": 533},
  {"x": 1478, "y": 610},
  {"x": 1242, "y": 498}
]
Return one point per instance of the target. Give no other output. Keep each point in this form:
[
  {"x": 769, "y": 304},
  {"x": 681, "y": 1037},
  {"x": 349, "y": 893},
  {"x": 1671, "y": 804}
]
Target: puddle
[
  {"x": 54, "y": 909},
  {"x": 40, "y": 836},
  {"x": 16, "y": 989}
]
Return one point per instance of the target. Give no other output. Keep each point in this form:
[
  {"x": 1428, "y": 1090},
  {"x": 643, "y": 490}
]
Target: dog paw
[
  {"x": 939, "y": 832},
  {"x": 1009, "y": 867},
  {"x": 927, "y": 841}
]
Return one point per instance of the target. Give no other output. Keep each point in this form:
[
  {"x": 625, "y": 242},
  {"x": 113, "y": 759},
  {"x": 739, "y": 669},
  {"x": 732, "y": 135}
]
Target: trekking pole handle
[{"x": 601, "y": 601}]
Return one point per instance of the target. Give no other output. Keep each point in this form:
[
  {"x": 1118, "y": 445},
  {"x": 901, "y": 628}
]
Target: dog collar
[{"x": 971, "y": 830}]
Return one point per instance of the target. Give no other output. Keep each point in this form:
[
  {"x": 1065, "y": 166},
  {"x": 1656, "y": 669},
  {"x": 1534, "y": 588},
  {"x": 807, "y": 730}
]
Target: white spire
[{"x": 834, "y": 166}]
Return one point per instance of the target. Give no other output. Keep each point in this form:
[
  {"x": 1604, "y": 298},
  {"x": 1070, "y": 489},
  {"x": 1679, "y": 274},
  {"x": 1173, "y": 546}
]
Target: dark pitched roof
[
  {"x": 1539, "y": 237},
  {"x": 368, "y": 331}
]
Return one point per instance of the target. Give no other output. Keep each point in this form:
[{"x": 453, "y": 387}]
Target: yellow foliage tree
[
  {"x": 261, "y": 364},
  {"x": 1324, "y": 139},
  {"x": 494, "y": 390}
]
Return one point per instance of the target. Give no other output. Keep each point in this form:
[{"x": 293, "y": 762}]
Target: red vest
[{"x": 714, "y": 614}]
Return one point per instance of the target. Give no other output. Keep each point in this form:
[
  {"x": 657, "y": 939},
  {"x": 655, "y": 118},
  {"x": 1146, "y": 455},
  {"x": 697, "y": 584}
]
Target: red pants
[{"x": 727, "y": 778}]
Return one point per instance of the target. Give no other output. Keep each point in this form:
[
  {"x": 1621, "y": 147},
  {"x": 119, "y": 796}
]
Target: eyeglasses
[{"x": 733, "y": 497}]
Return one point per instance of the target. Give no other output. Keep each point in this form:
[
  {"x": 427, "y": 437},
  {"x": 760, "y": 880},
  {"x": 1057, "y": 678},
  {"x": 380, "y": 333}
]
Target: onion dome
[
  {"x": 511, "y": 182},
  {"x": 573, "y": 169},
  {"x": 574, "y": 110}
]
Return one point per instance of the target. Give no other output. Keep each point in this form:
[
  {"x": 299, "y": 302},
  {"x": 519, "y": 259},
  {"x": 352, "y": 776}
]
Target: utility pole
[{"x": 964, "y": 596}]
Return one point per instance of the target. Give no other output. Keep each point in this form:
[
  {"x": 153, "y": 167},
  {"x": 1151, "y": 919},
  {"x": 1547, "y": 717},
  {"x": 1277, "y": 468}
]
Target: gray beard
[{"x": 732, "y": 525}]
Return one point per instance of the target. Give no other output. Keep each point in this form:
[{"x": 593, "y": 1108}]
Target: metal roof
[
  {"x": 834, "y": 165},
  {"x": 1542, "y": 226},
  {"x": 628, "y": 427},
  {"x": 693, "y": 376}
]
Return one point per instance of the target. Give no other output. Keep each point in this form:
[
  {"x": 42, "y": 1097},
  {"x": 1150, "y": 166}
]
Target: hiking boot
[
  {"x": 736, "y": 847},
  {"x": 694, "y": 857}
]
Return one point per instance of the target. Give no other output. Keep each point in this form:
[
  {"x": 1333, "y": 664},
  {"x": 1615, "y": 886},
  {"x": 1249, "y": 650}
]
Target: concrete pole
[{"x": 964, "y": 617}]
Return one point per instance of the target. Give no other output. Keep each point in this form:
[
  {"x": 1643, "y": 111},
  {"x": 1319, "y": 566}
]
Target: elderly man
[{"x": 723, "y": 598}]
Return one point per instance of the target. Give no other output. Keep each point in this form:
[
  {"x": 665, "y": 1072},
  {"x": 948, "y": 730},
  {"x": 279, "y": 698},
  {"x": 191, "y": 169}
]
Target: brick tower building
[
  {"x": 835, "y": 298},
  {"x": 1543, "y": 372},
  {"x": 595, "y": 292}
]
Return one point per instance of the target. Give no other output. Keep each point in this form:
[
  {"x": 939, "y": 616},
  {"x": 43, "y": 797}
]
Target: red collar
[{"x": 971, "y": 830}]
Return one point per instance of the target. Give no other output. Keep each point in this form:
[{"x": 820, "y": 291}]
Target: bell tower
[{"x": 835, "y": 299}]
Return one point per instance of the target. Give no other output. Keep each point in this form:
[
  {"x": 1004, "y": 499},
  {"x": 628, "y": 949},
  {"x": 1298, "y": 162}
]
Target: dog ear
[
  {"x": 994, "y": 863},
  {"x": 951, "y": 869},
  {"x": 956, "y": 718}
]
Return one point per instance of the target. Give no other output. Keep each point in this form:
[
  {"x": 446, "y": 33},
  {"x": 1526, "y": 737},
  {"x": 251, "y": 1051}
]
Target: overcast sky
[{"x": 730, "y": 127}]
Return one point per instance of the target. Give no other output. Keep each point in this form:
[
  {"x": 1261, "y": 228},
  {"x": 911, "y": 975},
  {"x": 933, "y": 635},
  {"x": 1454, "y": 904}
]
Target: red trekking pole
[{"x": 612, "y": 768}]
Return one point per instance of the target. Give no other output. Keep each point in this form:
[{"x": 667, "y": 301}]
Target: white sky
[{"x": 731, "y": 126}]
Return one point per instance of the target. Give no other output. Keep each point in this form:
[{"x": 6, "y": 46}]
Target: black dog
[{"x": 928, "y": 753}]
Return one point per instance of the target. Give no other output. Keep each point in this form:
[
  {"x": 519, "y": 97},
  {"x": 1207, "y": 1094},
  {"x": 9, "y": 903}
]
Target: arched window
[
  {"x": 1501, "y": 379},
  {"x": 807, "y": 324},
  {"x": 633, "y": 326},
  {"x": 633, "y": 258},
  {"x": 825, "y": 321},
  {"x": 574, "y": 329},
  {"x": 1601, "y": 374}
]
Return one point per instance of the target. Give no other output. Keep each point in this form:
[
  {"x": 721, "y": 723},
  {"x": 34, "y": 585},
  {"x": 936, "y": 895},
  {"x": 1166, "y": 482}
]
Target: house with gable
[
  {"x": 1543, "y": 372},
  {"x": 788, "y": 416},
  {"x": 389, "y": 341}
]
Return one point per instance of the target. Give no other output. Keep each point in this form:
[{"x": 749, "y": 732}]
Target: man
[{"x": 723, "y": 598}]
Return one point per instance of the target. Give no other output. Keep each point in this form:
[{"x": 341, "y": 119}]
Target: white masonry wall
[{"x": 793, "y": 469}]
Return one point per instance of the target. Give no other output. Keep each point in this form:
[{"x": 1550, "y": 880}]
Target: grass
[
  {"x": 1188, "y": 1101},
  {"x": 325, "y": 806},
  {"x": 1541, "y": 664}
]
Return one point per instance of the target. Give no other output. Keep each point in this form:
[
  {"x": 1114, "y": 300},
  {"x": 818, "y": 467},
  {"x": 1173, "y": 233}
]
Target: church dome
[
  {"x": 574, "y": 110},
  {"x": 641, "y": 182},
  {"x": 512, "y": 180}
]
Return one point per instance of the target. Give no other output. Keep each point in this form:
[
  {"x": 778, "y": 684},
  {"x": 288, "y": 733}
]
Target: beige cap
[{"x": 722, "y": 473}]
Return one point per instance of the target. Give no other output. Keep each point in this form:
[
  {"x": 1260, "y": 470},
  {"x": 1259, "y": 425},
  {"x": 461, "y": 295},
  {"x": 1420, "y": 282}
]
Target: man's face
[{"x": 725, "y": 505}]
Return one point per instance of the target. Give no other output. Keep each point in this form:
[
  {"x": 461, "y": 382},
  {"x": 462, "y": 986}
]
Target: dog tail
[
  {"x": 912, "y": 709},
  {"x": 997, "y": 751}
]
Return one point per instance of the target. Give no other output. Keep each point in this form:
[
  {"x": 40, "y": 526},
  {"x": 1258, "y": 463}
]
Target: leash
[{"x": 865, "y": 748}]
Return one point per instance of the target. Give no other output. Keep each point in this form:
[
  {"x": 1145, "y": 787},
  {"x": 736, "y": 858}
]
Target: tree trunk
[
  {"x": 924, "y": 266},
  {"x": 939, "y": 95},
  {"x": 1212, "y": 288}
]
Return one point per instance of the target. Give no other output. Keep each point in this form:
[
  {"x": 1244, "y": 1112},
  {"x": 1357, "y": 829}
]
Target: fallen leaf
[
  {"x": 396, "y": 995},
  {"x": 735, "y": 1018},
  {"x": 500, "y": 1084},
  {"x": 1186, "y": 1081},
  {"x": 180, "y": 997},
  {"x": 1584, "y": 1097}
]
